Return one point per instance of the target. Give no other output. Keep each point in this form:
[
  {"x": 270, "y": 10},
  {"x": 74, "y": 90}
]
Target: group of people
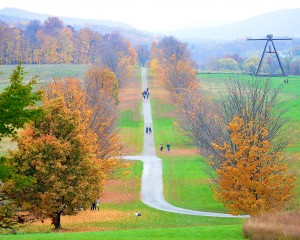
[
  {"x": 148, "y": 130},
  {"x": 96, "y": 205},
  {"x": 146, "y": 93},
  {"x": 162, "y": 147}
]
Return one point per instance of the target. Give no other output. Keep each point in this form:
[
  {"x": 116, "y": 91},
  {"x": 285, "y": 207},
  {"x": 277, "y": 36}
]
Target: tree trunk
[{"x": 56, "y": 220}]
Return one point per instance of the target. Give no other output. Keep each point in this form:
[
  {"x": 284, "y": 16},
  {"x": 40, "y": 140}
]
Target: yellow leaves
[{"x": 252, "y": 179}]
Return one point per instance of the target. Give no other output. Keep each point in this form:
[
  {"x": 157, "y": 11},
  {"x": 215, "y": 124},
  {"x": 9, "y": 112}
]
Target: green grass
[
  {"x": 46, "y": 72},
  {"x": 166, "y": 128},
  {"x": 187, "y": 185},
  {"x": 202, "y": 232}
]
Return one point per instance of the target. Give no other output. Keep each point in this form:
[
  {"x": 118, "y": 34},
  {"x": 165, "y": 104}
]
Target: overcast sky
[{"x": 156, "y": 15}]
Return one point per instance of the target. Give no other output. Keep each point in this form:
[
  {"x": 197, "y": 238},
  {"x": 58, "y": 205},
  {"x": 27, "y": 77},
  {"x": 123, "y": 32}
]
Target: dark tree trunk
[{"x": 56, "y": 220}]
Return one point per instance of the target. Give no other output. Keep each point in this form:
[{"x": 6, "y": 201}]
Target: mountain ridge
[
  {"x": 283, "y": 23},
  {"x": 26, "y": 15}
]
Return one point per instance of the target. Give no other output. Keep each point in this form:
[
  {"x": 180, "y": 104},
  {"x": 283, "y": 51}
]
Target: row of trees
[
  {"x": 65, "y": 152},
  {"x": 242, "y": 135},
  {"x": 53, "y": 42},
  {"x": 234, "y": 63},
  {"x": 172, "y": 66}
]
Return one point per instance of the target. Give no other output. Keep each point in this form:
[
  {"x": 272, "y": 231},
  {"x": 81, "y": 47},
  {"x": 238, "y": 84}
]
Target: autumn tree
[
  {"x": 252, "y": 178},
  {"x": 250, "y": 65},
  {"x": 118, "y": 55},
  {"x": 95, "y": 104},
  {"x": 101, "y": 89},
  {"x": 61, "y": 163},
  {"x": 101, "y": 80},
  {"x": 227, "y": 64},
  {"x": 244, "y": 137},
  {"x": 54, "y": 42},
  {"x": 172, "y": 67},
  {"x": 32, "y": 44}
]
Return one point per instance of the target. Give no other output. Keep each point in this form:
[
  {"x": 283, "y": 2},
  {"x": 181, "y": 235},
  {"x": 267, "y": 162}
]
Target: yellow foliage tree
[
  {"x": 252, "y": 179},
  {"x": 95, "y": 108}
]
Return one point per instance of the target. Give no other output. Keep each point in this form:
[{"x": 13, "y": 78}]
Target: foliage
[
  {"x": 251, "y": 178},
  {"x": 95, "y": 108},
  {"x": 17, "y": 103},
  {"x": 17, "y": 107},
  {"x": 53, "y": 42},
  {"x": 250, "y": 65},
  {"x": 227, "y": 64},
  {"x": 172, "y": 67},
  {"x": 249, "y": 171},
  {"x": 62, "y": 164},
  {"x": 102, "y": 81}
]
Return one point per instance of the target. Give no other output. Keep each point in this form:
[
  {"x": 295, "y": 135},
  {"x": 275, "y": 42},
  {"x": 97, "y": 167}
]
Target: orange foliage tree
[
  {"x": 172, "y": 67},
  {"x": 61, "y": 164},
  {"x": 101, "y": 89},
  {"x": 101, "y": 81},
  {"x": 252, "y": 179},
  {"x": 95, "y": 104}
]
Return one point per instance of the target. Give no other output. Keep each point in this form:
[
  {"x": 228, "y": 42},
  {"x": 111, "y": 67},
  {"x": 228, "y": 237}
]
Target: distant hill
[
  {"x": 19, "y": 18},
  {"x": 279, "y": 23},
  {"x": 25, "y": 15}
]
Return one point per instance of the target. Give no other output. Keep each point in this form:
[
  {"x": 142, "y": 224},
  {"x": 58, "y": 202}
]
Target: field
[{"x": 186, "y": 183}]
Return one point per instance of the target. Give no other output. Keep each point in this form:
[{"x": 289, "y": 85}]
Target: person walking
[
  {"x": 161, "y": 147},
  {"x": 168, "y": 147},
  {"x": 147, "y": 129},
  {"x": 148, "y": 94},
  {"x": 97, "y": 202},
  {"x": 150, "y": 130},
  {"x": 93, "y": 207}
]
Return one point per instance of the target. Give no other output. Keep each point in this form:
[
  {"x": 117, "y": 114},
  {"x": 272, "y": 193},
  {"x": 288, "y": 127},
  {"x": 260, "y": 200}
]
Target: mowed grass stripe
[{"x": 201, "y": 232}]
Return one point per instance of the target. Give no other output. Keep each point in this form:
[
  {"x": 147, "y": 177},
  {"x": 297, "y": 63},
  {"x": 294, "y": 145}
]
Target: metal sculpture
[{"x": 269, "y": 42}]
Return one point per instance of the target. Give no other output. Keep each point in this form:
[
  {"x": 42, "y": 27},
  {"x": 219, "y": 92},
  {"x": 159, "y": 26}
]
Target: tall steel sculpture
[{"x": 269, "y": 42}]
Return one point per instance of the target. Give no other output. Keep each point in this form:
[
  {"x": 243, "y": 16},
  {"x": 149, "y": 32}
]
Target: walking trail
[{"x": 152, "y": 185}]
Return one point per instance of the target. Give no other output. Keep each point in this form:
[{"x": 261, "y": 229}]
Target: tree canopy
[
  {"x": 17, "y": 103},
  {"x": 54, "y": 153}
]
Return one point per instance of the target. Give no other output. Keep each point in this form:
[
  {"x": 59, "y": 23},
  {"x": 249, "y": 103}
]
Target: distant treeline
[{"x": 54, "y": 43}]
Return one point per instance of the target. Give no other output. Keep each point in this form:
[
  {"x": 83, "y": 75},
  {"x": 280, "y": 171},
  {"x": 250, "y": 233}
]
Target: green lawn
[
  {"x": 203, "y": 232},
  {"x": 45, "y": 72}
]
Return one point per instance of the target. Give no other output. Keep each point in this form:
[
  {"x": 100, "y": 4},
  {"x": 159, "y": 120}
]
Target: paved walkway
[{"x": 152, "y": 185}]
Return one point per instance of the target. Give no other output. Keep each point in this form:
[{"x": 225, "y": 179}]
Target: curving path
[{"x": 152, "y": 185}]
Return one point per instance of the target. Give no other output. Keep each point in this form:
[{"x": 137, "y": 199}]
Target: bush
[{"x": 273, "y": 226}]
